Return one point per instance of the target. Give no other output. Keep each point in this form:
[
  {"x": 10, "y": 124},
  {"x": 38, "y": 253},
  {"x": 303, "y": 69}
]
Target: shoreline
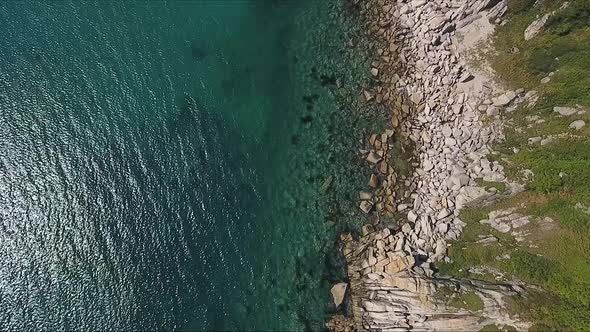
[{"x": 446, "y": 113}]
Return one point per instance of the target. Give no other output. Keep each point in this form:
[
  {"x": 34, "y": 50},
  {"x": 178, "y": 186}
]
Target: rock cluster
[
  {"x": 383, "y": 183},
  {"x": 511, "y": 222},
  {"x": 425, "y": 82},
  {"x": 437, "y": 106},
  {"x": 393, "y": 291}
]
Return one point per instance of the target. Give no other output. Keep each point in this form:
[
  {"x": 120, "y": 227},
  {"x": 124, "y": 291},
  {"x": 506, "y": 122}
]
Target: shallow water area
[{"x": 174, "y": 165}]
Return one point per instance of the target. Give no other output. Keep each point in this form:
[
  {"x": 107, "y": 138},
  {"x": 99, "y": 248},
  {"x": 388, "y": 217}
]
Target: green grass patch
[
  {"x": 459, "y": 299},
  {"x": 563, "y": 166},
  {"x": 495, "y": 328},
  {"x": 499, "y": 186},
  {"x": 555, "y": 255},
  {"x": 468, "y": 301}
]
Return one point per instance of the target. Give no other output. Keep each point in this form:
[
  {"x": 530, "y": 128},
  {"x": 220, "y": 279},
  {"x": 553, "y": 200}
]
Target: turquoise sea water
[{"x": 175, "y": 165}]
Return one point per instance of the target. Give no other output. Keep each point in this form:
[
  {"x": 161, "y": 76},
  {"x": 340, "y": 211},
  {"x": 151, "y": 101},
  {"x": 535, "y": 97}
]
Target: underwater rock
[{"x": 338, "y": 292}]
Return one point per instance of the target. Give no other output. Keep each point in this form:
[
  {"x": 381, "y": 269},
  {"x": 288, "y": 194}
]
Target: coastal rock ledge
[
  {"x": 449, "y": 115},
  {"x": 387, "y": 296}
]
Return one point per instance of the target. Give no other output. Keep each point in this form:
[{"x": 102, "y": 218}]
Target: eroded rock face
[
  {"x": 401, "y": 294},
  {"x": 565, "y": 111},
  {"x": 538, "y": 25}
]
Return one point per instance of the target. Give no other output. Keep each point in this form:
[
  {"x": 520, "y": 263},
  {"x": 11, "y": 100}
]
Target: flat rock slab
[
  {"x": 338, "y": 292},
  {"x": 565, "y": 111},
  {"x": 577, "y": 125},
  {"x": 504, "y": 99}
]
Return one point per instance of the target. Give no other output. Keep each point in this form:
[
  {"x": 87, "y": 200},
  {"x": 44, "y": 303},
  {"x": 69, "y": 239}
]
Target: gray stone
[
  {"x": 504, "y": 99},
  {"x": 450, "y": 142},
  {"x": 487, "y": 239},
  {"x": 565, "y": 111},
  {"x": 465, "y": 77},
  {"x": 443, "y": 214},
  {"x": 416, "y": 98},
  {"x": 418, "y": 3},
  {"x": 534, "y": 140},
  {"x": 405, "y": 9},
  {"x": 366, "y": 206},
  {"x": 522, "y": 221},
  {"x": 365, "y": 196},
  {"x": 406, "y": 228},
  {"x": 492, "y": 111},
  {"x": 412, "y": 216},
  {"x": 457, "y": 181},
  {"x": 437, "y": 22},
  {"x": 578, "y": 124},
  {"x": 546, "y": 141},
  {"x": 532, "y": 97},
  {"x": 447, "y": 131},
  {"x": 373, "y": 157},
  {"x": 535, "y": 27},
  {"x": 338, "y": 292}
]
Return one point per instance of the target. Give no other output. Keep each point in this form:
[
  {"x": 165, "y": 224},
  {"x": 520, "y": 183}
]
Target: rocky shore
[{"x": 447, "y": 113}]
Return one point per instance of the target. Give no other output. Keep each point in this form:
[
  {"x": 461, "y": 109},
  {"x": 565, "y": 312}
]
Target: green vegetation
[
  {"x": 468, "y": 301},
  {"x": 555, "y": 255},
  {"x": 500, "y": 186},
  {"x": 558, "y": 262},
  {"x": 460, "y": 300},
  {"x": 495, "y": 328}
]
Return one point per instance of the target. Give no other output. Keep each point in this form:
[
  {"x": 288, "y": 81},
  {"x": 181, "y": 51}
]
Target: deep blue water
[{"x": 162, "y": 163}]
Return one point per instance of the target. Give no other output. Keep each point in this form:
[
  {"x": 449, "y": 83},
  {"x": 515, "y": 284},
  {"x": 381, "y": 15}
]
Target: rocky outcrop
[
  {"x": 438, "y": 107},
  {"x": 394, "y": 291},
  {"x": 539, "y": 24},
  {"x": 509, "y": 221},
  {"x": 566, "y": 111},
  {"x": 536, "y": 26}
]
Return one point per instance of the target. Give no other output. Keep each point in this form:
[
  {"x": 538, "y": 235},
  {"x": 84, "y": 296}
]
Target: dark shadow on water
[
  {"x": 198, "y": 53},
  {"x": 216, "y": 322},
  {"x": 307, "y": 119},
  {"x": 187, "y": 108}
]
